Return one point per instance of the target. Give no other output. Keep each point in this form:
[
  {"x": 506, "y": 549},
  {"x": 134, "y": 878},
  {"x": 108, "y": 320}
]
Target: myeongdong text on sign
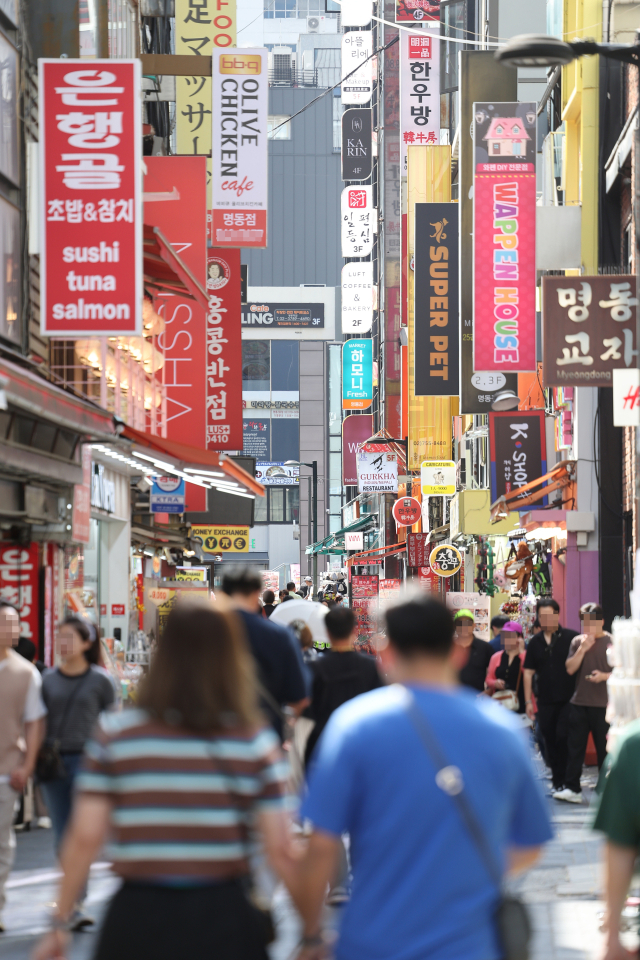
[{"x": 90, "y": 180}]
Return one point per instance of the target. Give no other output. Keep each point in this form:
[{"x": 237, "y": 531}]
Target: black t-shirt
[
  {"x": 279, "y": 662},
  {"x": 552, "y": 683},
  {"x": 475, "y": 670},
  {"x": 512, "y": 674},
  {"x": 338, "y": 677}
]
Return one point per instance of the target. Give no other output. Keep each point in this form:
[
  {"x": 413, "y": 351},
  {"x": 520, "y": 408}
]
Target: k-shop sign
[{"x": 91, "y": 224}]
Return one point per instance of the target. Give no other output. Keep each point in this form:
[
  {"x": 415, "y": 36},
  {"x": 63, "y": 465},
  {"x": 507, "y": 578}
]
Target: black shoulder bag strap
[{"x": 512, "y": 919}]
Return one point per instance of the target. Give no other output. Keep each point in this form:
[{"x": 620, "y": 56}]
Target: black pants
[
  {"x": 553, "y": 723},
  {"x": 582, "y": 721},
  {"x": 169, "y": 923}
]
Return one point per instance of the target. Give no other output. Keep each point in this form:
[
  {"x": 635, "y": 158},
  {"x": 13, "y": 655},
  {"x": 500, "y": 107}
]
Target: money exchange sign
[{"x": 222, "y": 539}]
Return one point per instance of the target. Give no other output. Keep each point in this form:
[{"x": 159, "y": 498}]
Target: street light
[{"x": 313, "y": 466}]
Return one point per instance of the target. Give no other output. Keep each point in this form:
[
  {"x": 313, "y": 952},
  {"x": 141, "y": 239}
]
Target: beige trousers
[{"x": 8, "y": 797}]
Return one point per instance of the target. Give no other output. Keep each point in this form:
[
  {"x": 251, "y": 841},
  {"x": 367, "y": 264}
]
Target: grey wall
[
  {"x": 313, "y": 433},
  {"x": 303, "y": 229}
]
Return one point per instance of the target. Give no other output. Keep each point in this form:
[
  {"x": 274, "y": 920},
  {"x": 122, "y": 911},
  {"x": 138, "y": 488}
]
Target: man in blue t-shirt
[{"x": 420, "y": 887}]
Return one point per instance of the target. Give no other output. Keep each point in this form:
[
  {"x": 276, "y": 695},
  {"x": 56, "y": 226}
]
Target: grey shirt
[{"x": 94, "y": 692}]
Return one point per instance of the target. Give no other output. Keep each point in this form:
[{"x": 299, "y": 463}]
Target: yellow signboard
[
  {"x": 222, "y": 539},
  {"x": 201, "y": 25},
  {"x": 437, "y": 478},
  {"x": 191, "y": 573}
]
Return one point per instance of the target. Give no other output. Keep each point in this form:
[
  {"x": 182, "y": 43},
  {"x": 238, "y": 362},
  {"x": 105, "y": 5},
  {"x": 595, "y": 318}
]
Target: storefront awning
[
  {"x": 358, "y": 524},
  {"x": 203, "y": 467},
  {"x": 165, "y": 271},
  {"x": 334, "y": 543}
]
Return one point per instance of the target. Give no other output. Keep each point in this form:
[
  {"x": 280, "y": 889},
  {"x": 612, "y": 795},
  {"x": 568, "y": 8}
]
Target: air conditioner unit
[
  {"x": 280, "y": 65},
  {"x": 313, "y": 24}
]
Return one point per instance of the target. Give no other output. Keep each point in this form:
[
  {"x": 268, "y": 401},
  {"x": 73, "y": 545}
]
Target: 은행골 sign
[{"x": 222, "y": 539}]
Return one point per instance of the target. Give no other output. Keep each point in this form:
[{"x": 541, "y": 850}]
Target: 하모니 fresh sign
[{"x": 90, "y": 198}]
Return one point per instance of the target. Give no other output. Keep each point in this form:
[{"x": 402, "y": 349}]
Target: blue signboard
[
  {"x": 357, "y": 374},
  {"x": 167, "y": 495}
]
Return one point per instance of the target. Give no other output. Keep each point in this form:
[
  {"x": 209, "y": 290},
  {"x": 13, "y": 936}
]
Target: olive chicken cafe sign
[{"x": 221, "y": 539}]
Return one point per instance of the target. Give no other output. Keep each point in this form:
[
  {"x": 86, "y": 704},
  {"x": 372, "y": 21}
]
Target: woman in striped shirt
[{"x": 176, "y": 785}]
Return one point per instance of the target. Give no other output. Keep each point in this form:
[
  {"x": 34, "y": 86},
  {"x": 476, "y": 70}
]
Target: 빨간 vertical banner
[
  {"x": 90, "y": 196},
  {"x": 504, "y": 237},
  {"x": 224, "y": 351},
  {"x": 239, "y": 159}
]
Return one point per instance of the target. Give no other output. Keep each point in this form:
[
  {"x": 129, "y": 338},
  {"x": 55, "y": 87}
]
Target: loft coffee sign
[
  {"x": 518, "y": 450},
  {"x": 91, "y": 225}
]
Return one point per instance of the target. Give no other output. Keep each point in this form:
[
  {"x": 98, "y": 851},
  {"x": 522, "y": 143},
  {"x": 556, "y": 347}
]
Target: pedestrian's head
[
  {"x": 26, "y": 648},
  {"x": 78, "y": 637},
  {"x": 463, "y": 622},
  {"x": 308, "y": 580},
  {"x": 268, "y": 596},
  {"x": 291, "y": 586},
  {"x": 282, "y": 594},
  {"x": 548, "y": 613},
  {"x": 592, "y": 618},
  {"x": 511, "y": 635},
  {"x": 9, "y": 624},
  {"x": 303, "y": 633},
  {"x": 243, "y": 585},
  {"x": 497, "y": 623},
  {"x": 419, "y": 628},
  {"x": 340, "y": 624},
  {"x": 202, "y": 676}
]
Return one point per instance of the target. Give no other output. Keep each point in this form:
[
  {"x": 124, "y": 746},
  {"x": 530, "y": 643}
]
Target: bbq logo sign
[{"x": 91, "y": 223}]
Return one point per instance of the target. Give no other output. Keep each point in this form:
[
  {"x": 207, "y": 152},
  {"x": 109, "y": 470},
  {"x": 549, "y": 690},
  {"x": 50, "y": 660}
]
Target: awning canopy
[
  {"x": 165, "y": 271},
  {"x": 334, "y": 543},
  {"x": 205, "y": 468},
  {"x": 358, "y": 524}
]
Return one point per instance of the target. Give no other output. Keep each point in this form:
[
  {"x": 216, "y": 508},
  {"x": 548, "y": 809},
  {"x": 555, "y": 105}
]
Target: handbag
[
  {"x": 509, "y": 698},
  {"x": 49, "y": 764},
  {"x": 512, "y": 918}
]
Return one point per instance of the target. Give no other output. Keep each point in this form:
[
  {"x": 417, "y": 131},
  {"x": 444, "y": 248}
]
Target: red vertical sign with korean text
[
  {"x": 175, "y": 200},
  {"x": 224, "y": 351},
  {"x": 91, "y": 225},
  {"x": 20, "y": 586}
]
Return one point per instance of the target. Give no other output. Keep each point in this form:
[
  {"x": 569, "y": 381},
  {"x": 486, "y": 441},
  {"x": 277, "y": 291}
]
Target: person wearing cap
[
  {"x": 479, "y": 652},
  {"x": 307, "y": 588},
  {"x": 506, "y": 667}
]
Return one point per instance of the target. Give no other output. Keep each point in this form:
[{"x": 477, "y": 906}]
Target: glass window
[
  {"x": 285, "y": 365},
  {"x": 335, "y": 444},
  {"x": 276, "y": 504},
  {"x": 285, "y": 438},
  {"x": 260, "y": 515},
  {"x": 292, "y": 506},
  {"x": 283, "y": 131},
  {"x": 10, "y": 327},
  {"x": 9, "y": 165},
  {"x": 256, "y": 366}
]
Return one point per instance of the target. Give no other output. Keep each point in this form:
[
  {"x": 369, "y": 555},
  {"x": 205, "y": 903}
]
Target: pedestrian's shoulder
[
  {"x": 370, "y": 709},
  {"x": 627, "y": 745},
  {"x": 499, "y": 727},
  {"x": 568, "y": 634},
  {"x": 113, "y": 726}
]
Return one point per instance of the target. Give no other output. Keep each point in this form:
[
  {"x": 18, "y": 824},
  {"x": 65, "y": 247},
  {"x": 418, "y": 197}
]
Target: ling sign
[{"x": 90, "y": 199}]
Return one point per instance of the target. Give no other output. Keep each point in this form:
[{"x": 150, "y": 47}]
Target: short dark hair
[
  {"x": 420, "y": 626},
  {"x": 26, "y": 648},
  {"x": 499, "y": 621},
  {"x": 291, "y": 585},
  {"x": 593, "y": 610},
  {"x": 547, "y": 602},
  {"x": 241, "y": 580},
  {"x": 340, "y": 622},
  {"x": 4, "y": 604},
  {"x": 268, "y": 596}
]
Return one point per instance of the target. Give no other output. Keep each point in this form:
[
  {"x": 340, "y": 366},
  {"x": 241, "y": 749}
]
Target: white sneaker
[
  {"x": 44, "y": 823},
  {"x": 568, "y": 795}
]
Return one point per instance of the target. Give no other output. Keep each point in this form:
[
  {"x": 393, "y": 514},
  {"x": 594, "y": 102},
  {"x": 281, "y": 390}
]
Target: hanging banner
[
  {"x": 419, "y": 91},
  {"x": 357, "y": 374},
  {"x": 377, "y": 472},
  {"x": 356, "y": 150},
  {"x": 589, "y": 329},
  {"x": 239, "y": 159},
  {"x": 438, "y": 478},
  {"x": 20, "y": 585},
  {"x": 436, "y": 336},
  {"x": 90, "y": 181},
  {"x": 356, "y": 429},
  {"x": 356, "y": 13},
  {"x": 417, "y": 549},
  {"x": 357, "y": 297},
  {"x": 356, "y": 48},
  {"x": 518, "y": 451},
  {"x": 200, "y": 27},
  {"x": 410, "y": 11},
  {"x": 177, "y": 186},
  {"x": 504, "y": 237},
  {"x": 358, "y": 221},
  {"x": 407, "y": 511},
  {"x": 81, "y": 517},
  {"x": 224, "y": 351}
]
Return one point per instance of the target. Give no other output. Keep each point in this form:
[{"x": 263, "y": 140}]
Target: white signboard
[
  {"x": 357, "y": 297},
  {"x": 419, "y": 91},
  {"x": 239, "y": 183},
  {"x": 438, "y": 478},
  {"x": 354, "y": 540},
  {"x": 626, "y": 397},
  {"x": 377, "y": 472},
  {"x": 358, "y": 221},
  {"x": 356, "y": 48},
  {"x": 273, "y": 474},
  {"x": 480, "y": 606},
  {"x": 356, "y": 13}
]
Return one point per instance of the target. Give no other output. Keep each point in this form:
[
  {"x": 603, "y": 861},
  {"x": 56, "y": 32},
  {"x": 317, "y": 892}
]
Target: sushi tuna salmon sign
[{"x": 91, "y": 224}]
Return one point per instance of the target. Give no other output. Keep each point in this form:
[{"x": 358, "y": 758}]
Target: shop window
[
  {"x": 281, "y": 505},
  {"x": 44, "y": 436},
  {"x": 261, "y": 509},
  {"x": 256, "y": 365}
]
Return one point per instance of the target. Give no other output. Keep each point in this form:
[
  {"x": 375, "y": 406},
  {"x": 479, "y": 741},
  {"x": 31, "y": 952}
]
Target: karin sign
[
  {"x": 239, "y": 183},
  {"x": 504, "y": 307},
  {"x": 91, "y": 224}
]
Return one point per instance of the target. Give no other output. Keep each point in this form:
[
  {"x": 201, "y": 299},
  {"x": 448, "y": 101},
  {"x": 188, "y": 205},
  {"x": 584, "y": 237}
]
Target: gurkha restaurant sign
[{"x": 589, "y": 326}]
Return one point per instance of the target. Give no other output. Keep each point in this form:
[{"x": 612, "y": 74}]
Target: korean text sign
[
  {"x": 20, "y": 585},
  {"x": 419, "y": 91},
  {"x": 589, "y": 329},
  {"x": 504, "y": 237},
  {"x": 357, "y": 374},
  {"x": 436, "y": 338},
  {"x": 518, "y": 451},
  {"x": 91, "y": 223},
  {"x": 239, "y": 158},
  {"x": 224, "y": 351},
  {"x": 355, "y": 50},
  {"x": 358, "y": 221}
]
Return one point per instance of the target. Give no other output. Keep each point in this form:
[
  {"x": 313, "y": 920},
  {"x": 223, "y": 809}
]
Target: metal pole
[{"x": 314, "y": 482}]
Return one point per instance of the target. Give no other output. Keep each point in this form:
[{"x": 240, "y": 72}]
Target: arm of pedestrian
[
  {"x": 573, "y": 662},
  {"x": 598, "y": 676},
  {"x": 299, "y": 706},
  {"x": 316, "y": 868},
  {"x": 528, "y": 688},
  {"x": 619, "y": 865},
  {"x": 522, "y": 858},
  {"x": 490, "y": 682},
  {"x": 33, "y": 735},
  {"x": 279, "y": 846}
]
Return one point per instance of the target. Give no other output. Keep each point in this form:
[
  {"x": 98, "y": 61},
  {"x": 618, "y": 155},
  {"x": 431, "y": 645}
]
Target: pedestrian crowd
[{"x": 418, "y": 795}]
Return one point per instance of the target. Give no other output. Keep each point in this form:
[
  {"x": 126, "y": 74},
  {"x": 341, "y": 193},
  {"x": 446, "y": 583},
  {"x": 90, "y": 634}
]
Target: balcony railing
[{"x": 283, "y": 76}]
